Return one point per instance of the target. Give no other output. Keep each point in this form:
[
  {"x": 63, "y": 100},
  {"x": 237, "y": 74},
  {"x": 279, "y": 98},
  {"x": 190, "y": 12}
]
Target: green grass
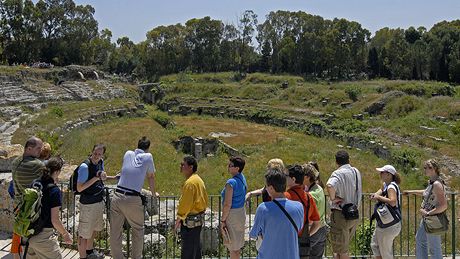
[
  {"x": 56, "y": 115},
  {"x": 263, "y": 94},
  {"x": 260, "y": 141},
  {"x": 402, "y": 116}
]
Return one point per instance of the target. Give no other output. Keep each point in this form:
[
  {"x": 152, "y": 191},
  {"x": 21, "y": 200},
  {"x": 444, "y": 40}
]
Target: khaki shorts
[
  {"x": 342, "y": 231},
  {"x": 44, "y": 245},
  {"x": 90, "y": 219},
  {"x": 235, "y": 225}
]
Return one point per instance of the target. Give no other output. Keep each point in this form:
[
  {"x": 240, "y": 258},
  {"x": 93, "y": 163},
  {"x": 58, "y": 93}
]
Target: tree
[
  {"x": 246, "y": 26},
  {"x": 203, "y": 39},
  {"x": 18, "y": 29}
]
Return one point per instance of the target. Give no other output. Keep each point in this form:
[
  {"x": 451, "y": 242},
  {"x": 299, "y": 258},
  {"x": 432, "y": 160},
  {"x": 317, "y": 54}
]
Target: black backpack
[{"x": 74, "y": 178}]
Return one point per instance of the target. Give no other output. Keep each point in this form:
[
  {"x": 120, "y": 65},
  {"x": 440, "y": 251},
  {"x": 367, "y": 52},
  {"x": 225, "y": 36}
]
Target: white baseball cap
[{"x": 387, "y": 168}]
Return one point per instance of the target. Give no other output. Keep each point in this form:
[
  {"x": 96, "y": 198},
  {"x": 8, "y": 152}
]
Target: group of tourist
[{"x": 291, "y": 222}]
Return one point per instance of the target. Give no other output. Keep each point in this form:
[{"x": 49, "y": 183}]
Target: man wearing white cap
[{"x": 387, "y": 212}]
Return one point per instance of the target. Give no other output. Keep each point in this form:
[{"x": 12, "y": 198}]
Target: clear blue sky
[{"x": 133, "y": 18}]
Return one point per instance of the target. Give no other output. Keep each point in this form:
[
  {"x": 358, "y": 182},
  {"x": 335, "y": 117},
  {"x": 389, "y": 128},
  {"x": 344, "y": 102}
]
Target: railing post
[{"x": 454, "y": 241}]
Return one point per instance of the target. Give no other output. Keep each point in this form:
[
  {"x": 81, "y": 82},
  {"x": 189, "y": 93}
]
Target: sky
[{"x": 133, "y": 18}]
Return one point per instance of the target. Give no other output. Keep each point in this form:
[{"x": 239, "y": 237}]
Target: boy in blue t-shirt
[{"x": 279, "y": 235}]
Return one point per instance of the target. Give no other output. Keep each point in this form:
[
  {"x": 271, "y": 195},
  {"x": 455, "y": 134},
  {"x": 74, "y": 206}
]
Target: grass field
[
  {"x": 260, "y": 142},
  {"x": 430, "y": 125}
]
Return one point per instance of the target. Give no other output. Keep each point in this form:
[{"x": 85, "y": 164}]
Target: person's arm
[
  {"x": 438, "y": 190},
  {"x": 57, "y": 224},
  {"x": 151, "y": 180},
  {"x": 227, "y": 203},
  {"x": 257, "y": 227},
  {"x": 392, "y": 200},
  {"x": 83, "y": 186},
  {"x": 314, "y": 217},
  {"x": 186, "y": 203},
  {"x": 331, "y": 191},
  {"x": 415, "y": 192},
  {"x": 314, "y": 227},
  {"x": 83, "y": 182},
  {"x": 254, "y": 193}
]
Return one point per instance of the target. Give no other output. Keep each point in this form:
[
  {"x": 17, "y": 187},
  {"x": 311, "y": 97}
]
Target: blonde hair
[
  {"x": 276, "y": 163},
  {"x": 433, "y": 163},
  {"x": 311, "y": 170},
  {"x": 46, "y": 151}
]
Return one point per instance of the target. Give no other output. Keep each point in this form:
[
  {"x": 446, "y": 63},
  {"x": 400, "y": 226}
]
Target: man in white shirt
[
  {"x": 344, "y": 186},
  {"x": 126, "y": 202}
]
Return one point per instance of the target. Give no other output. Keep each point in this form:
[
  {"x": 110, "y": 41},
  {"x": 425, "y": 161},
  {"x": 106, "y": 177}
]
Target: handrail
[{"x": 160, "y": 240}]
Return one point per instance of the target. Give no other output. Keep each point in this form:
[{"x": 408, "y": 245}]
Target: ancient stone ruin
[{"x": 202, "y": 147}]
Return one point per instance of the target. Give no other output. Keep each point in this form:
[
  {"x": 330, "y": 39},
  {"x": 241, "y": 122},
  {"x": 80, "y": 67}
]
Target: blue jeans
[{"x": 427, "y": 242}]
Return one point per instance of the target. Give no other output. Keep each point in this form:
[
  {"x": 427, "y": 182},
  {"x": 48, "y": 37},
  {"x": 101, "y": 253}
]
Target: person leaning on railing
[
  {"x": 434, "y": 202},
  {"x": 389, "y": 226},
  {"x": 190, "y": 211},
  {"x": 274, "y": 163},
  {"x": 233, "y": 212},
  {"x": 127, "y": 202}
]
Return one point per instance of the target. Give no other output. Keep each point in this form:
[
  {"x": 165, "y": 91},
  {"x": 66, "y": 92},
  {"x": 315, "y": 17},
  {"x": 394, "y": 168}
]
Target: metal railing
[{"x": 160, "y": 241}]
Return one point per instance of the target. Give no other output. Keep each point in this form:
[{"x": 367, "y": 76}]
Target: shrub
[
  {"x": 402, "y": 106},
  {"x": 364, "y": 237},
  {"x": 57, "y": 111},
  {"x": 350, "y": 125},
  {"x": 407, "y": 158},
  {"x": 52, "y": 138},
  {"x": 163, "y": 119},
  {"x": 456, "y": 128},
  {"x": 353, "y": 92}
]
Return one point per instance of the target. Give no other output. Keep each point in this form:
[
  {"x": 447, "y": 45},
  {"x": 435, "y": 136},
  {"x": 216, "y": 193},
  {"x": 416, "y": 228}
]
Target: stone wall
[
  {"x": 6, "y": 204},
  {"x": 202, "y": 147},
  {"x": 264, "y": 116}
]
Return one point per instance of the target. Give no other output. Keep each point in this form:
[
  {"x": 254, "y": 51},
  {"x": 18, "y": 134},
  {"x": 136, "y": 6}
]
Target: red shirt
[{"x": 294, "y": 193}]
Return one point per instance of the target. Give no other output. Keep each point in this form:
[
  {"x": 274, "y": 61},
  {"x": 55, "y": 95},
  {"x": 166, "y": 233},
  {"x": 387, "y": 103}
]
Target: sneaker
[{"x": 95, "y": 255}]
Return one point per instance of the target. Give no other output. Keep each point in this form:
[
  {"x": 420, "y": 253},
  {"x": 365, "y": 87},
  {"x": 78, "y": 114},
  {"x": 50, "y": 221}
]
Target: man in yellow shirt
[{"x": 190, "y": 212}]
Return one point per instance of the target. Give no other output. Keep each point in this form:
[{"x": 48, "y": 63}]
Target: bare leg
[
  {"x": 82, "y": 247},
  {"x": 235, "y": 254}
]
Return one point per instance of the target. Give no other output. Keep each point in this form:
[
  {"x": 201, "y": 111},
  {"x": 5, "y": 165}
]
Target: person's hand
[
  {"x": 423, "y": 212},
  {"x": 337, "y": 200},
  {"x": 67, "y": 238},
  {"x": 375, "y": 197},
  {"x": 103, "y": 175},
  {"x": 247, "y": 198},
  {"x": 177, "y": 225},
  {"x": 157, "y": 194},
  {"x": 223, "y": 225}
]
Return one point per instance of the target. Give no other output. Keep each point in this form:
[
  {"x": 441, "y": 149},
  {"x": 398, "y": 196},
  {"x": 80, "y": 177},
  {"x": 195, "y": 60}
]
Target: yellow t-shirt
[{"x": 194, "y": 198}]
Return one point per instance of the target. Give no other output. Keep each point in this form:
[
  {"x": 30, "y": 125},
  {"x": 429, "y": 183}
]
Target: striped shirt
[{"x": 25, "y": 170}]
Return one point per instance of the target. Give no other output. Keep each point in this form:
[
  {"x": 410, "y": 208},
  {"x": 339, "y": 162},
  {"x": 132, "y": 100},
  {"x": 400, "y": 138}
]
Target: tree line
[{"x": 61, "y": 32}]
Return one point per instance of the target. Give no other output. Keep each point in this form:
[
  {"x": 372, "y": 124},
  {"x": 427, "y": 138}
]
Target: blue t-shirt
[
  {"x": 239, "y": 186},
  {"x": 83, "y": 172},
  {"x": 279, "y": 235}
]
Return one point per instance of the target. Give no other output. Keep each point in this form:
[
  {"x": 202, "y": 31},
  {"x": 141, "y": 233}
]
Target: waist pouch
[{"x": 193, "y": 221}]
